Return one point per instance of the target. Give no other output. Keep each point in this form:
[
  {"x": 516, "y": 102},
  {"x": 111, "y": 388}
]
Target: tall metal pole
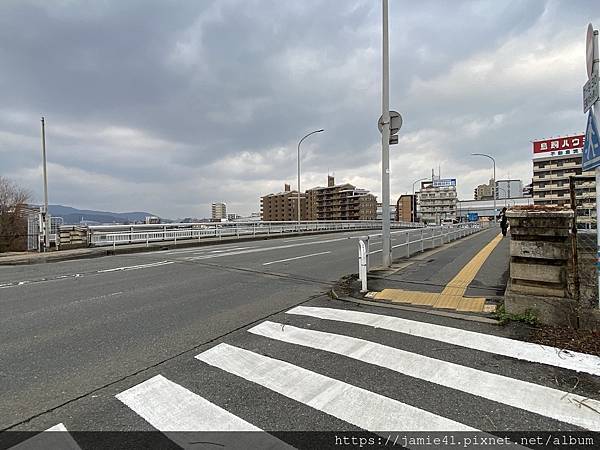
[
  {"x": 494, "y": 184},
  {"x": 300, "y": 142},
  {"x": 595, "y": 67},
  {"x": 45, "y": 216},
  {"x": 385, "y": 145}
]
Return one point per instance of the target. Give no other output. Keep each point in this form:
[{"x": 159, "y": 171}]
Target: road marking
[
  {"x": 49, "y": 439},
  {"x": 512, "y": 348},
  {"x": 171, "y": 409},
  {"x": 168, "y": 406},
  {"x": 531, "y": 397},
  {"x": 352, "y": 404},
  {"x": 208, "y": 248},
  {"x": 264, "y": 249},
  {"x": 296, "y": 257},
  {"x": 140, "y": 266}
]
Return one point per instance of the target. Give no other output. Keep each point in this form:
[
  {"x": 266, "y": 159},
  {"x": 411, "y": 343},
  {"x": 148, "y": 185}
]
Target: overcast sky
[{"x": 165, "y": 106}]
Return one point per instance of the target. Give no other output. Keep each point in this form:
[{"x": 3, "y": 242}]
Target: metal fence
[
  {"x": 113, "y": 235},
  {"x": 408, "y": 242}
]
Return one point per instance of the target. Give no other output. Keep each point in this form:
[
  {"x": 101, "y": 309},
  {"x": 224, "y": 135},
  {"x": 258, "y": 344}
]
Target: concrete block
[
  {"x": 549, "y": 310},
  {"x": 537, "y": 272},
  {"x": 538, "y": 289},
  {"x": 532, "y": 232},
  {"x": 539, "y": 250}
]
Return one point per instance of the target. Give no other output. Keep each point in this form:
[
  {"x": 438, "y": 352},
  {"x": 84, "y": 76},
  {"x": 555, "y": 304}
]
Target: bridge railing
[
  {"x": 410, "y": 242},
  {"x": 113, "y": 235}
]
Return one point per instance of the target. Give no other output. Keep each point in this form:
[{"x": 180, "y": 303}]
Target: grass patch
[{"x": 504, "y": 317}]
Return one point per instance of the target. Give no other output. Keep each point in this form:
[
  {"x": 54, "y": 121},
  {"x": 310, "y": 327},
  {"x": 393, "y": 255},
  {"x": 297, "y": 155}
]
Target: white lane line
[
  {"x": 171, "y": 409},
  {"x": 49, "y": 439},
  {"x": 363, "y": 408},
  {"x": 531, "y": 397},
  {"x": 263, "y": 249},
  {"x": 208, "y": 248},
  {"x": 140, "y": 266},
  {"x": 294, "y": 258},
  {"x": 512, "y": 348}
]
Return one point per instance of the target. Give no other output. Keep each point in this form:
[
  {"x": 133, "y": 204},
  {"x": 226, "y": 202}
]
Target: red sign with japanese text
[{"x": 558, "y": 144}]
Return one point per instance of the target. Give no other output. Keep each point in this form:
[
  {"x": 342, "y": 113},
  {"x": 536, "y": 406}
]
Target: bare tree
[{"x": 13, "y": 219}]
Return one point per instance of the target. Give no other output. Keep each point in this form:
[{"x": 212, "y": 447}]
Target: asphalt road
[
  {"x": 75, "y": 335},
  {"x": 70, "y": 327}
]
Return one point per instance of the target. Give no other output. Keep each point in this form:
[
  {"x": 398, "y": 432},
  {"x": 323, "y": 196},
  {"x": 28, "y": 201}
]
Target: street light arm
[
  {"x": 309, "y": 134},
  {"x": 300, "y": 142}
]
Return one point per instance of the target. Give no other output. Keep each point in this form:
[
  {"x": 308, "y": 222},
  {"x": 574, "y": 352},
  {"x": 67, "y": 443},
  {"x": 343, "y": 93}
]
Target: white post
[{"x": 362, "y": 264}]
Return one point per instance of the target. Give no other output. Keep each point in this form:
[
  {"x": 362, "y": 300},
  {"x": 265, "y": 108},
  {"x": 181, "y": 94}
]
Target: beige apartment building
[
  {"x": 283, "y": 206},
  {"x": 555, "y": 162},
  {"x": 341, "y": 202}
]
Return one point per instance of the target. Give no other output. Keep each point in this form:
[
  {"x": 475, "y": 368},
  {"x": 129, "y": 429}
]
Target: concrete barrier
[{"x": 543, "y": 269}]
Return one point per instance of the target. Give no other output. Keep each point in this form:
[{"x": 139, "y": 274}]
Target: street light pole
[
  {"x": 415, "y": 201},
  {"x": 385, "y": 145},
  {"x": 45, "y": 216},
  {"x": 494, "y": 184},
  {"x": 300, "y": 142}
]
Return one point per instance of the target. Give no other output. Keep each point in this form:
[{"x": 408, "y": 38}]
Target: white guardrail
[
  {"x": 113, "y": 235},
  {"x": 411, "y": 242}
]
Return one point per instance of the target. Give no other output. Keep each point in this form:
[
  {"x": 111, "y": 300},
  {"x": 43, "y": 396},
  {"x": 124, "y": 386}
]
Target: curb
[{"x": 451, "y": 315}]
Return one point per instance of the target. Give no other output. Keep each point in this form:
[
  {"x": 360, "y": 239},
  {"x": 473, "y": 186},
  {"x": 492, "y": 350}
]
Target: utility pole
[
  {"x": 385, "y": 145},
  {"x": 45, "y": 223}
]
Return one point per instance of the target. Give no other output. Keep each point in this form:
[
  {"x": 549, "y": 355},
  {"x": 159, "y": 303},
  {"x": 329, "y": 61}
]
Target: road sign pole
[
  {"x": 595, "y": 68},
  {"x": 385, "y": 145}
]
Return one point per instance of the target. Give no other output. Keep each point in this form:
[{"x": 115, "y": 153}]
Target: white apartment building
[
  {"x": 437, "y": 200},
  {"x": 219, "y": 211},
  {"x": 509, "y": 189}
]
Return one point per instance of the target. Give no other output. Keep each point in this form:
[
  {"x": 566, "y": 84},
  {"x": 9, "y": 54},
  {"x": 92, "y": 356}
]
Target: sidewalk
[{"x": 466, "y": 276}]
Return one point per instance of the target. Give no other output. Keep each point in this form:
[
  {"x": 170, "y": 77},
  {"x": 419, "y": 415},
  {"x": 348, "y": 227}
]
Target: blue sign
[
  {"x": 591, "y": 149},
  {"x": 444, "y": 182},
  {"x": 472, "y": 217}
]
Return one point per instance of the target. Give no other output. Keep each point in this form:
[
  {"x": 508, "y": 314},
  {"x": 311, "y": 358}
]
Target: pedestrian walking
[{"x": 503, "y": 221}]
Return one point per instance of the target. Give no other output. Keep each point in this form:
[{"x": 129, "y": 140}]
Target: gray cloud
[{"x": 168, "y": 105}]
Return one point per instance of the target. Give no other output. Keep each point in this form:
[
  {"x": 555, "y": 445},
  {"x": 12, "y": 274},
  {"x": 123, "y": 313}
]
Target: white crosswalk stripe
[
  {"x": 170, "y": 407},
  {"x": 360, "y": 407},
  {"x": 54, "y": 437},
  {"x": 549, "y": 402},
  {"x": 527, "y": 351}
]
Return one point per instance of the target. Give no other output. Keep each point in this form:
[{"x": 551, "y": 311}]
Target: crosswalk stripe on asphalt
[
  {"x": 542, "y": 400},
  {"x": 360, "y": 407},
  {"x": 172, "y": 409},
  {"x": 49, "y": 439},
  {"x": 512, "y": 348},
  {"x": 168, "y": 406}
]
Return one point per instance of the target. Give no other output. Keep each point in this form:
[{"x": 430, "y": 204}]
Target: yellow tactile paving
[
  {"x": 471, "y": 304},
  {"x": 452, "y": 297},
  {"x": 455, "y": 290}
]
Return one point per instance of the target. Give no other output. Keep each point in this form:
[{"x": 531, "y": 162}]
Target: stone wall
[{"x": 542, "y": 275}]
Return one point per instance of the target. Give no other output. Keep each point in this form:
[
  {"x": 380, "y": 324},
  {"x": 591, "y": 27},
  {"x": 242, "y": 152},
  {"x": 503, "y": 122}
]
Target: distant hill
[{"x": 73, "y": 216}]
